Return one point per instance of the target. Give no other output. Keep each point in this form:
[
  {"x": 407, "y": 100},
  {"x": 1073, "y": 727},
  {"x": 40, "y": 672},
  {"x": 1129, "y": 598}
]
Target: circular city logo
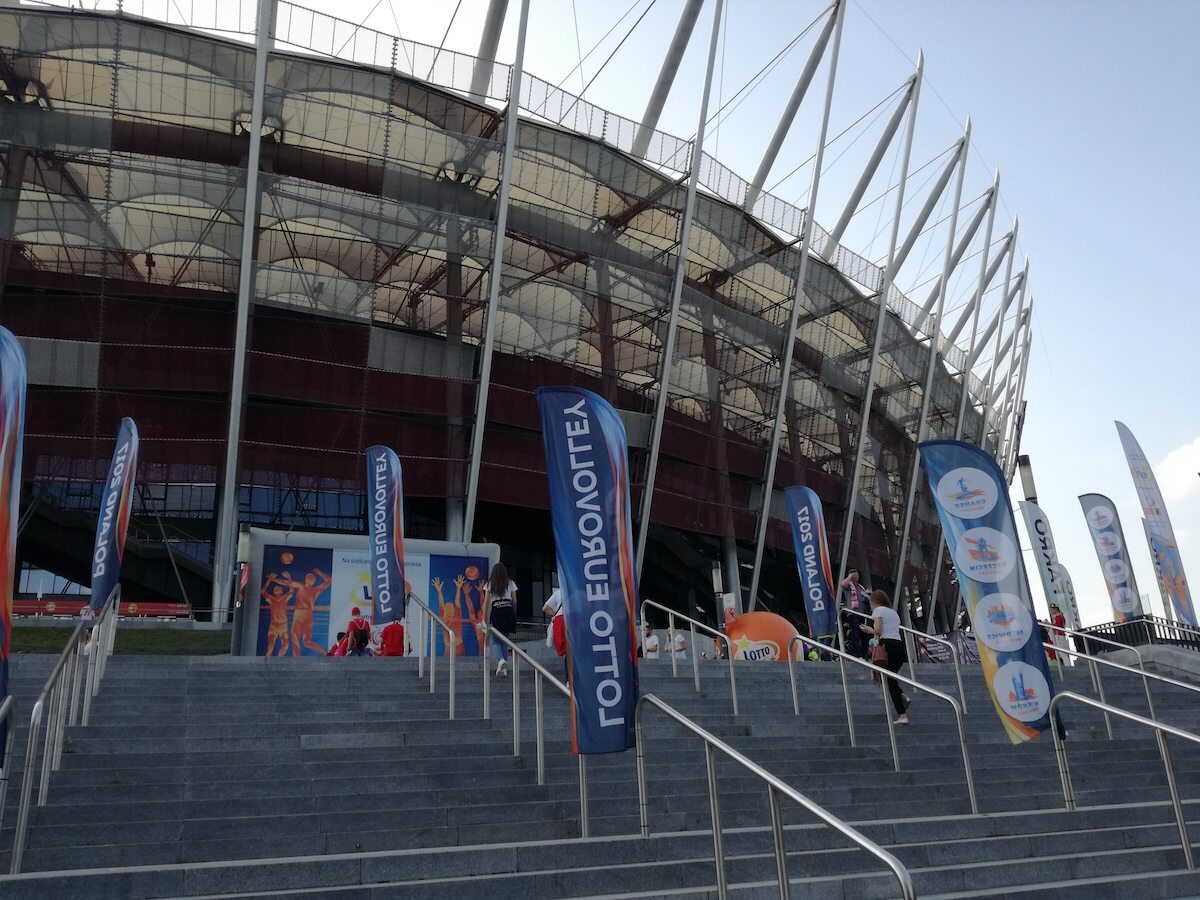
[
  {"x": 1115, "y": 571},
  {"x": 1002, "y": 622},
  {"x": 1124, "y": 600},
  {"x": 985, "y": 554},
  {"x": 1108, "y": 542},
  {"x": 967, "y": 492},
  {"x": 1022, "y": 691},
  {"x": 1100, "y": 517}
]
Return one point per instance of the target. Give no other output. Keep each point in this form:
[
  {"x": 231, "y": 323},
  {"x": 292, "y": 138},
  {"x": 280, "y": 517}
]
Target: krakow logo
[{"x": 1022, "y": 691}]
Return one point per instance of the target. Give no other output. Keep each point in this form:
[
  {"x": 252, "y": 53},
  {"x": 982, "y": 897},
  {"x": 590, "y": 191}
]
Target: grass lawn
[{"x": 130, "y": 641}]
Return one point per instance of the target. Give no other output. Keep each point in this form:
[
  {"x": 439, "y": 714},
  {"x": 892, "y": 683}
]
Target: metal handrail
[
  {"x": 1064, "y": 630},
  {"x": 885, "y": 673},
  {"x": 672, "y": 616},
  {"x": 775, "y": 789},
  {"x": 1146, "y": 677},
  {"x": 539, "y": 673},
  {"x": 451, "y": 648},
  {"x": 922, "y": 636},
  {"x": 59, "y": 703},
  {"x": 8, "y": 715},
  {"x": 1160, "y": 732}
]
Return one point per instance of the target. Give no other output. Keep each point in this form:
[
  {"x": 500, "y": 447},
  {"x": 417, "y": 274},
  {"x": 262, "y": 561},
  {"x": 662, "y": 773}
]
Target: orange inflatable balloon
[{"x": 762, "y": 636}]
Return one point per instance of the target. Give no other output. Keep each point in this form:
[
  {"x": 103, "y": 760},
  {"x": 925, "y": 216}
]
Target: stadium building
[{"x": 415, "y": 268}]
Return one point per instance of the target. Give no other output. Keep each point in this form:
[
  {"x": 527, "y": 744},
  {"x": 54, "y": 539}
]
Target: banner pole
[
  {"x": 981, "y": 286},
  {"x": 226, "y": 536},
  {"x": 668, "y": 352},
  {"x": 789, "y": 344},
  {"x": 889, "y": 275},
  {"x": 512, "y": 122},
  {"x": 935, "y": 333}
]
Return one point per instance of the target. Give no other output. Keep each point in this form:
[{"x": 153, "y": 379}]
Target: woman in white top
[
  {"x": 500, "y": 612},
  {"x": 678, "y": 645},
  {"x": 885, "y": 627}
]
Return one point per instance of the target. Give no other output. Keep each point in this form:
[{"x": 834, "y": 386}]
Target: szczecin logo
[
  {"x": 967, "y": 492},
  {"x": 1002, "y": 622},
  {"x": 985, "y": 554},
  {"x": 1022, "y": 691},
  {"x": 1100, "y": 517}
]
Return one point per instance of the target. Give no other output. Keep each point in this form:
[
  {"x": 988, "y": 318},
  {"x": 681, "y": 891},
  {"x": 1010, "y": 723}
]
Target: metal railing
[
  {"x": 775, "y": 790},
  {"x": 8, "y": 716},
  {"x": 718, "y": 635},
  {"x": 539, "y": 674},
  {"x": 1085, "y": 637},
  {"x": 922, "y": 636},
  {"x": 425, "y": 615},
  {"x": 59, "y": 704},
  {"x": 1098, "y": 682},
  {"x": 885, "y": 674},
  {"x": 1160, "y": 732},
  {"x": 1147, "y": 630}
]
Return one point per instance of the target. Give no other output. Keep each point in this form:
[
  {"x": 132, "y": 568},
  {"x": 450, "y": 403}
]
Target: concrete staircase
[{"x": 343, "y": 778}]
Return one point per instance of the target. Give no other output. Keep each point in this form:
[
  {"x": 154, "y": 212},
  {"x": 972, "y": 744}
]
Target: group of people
[
  {"x": 874, "y": 635},
  {"x": 359, "y": 640}
]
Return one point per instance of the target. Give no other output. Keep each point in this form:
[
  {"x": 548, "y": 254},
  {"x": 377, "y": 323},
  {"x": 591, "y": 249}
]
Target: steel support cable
[
  {"x": 616, "y": 49},
  {"x": 578, "y": 43},
  {"x": 400, "y": 39},
  {"x": 849, "y": 145},
  {"x": 879, "y": 218},
  {"x": 909, "y": 199},
  {"x": 354, "y": 31},
  {"x": 445, "y": 34},
  {"x": 837, "y": 137},
  {"x": 603, "y": 38},
  {"x": 749, "y": 87}
]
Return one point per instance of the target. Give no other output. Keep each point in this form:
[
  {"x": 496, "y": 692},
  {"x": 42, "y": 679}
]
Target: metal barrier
[
  {"x": 1147, "y": 630},
  {"x": 885, "y": 674},
  {"x": 425, "y": 615},
  {"x": 720, "y": 635},
  {"x": 58, "y": 703},
  {"x": 8, "y": 715},
  {"x": 775, "y": 789},
  {"x": 1160, "y": 733},
  {"x": 922, "y": 636},
  {"x": 1146, "y": 677},
  {"x": 539, "y": 674}
]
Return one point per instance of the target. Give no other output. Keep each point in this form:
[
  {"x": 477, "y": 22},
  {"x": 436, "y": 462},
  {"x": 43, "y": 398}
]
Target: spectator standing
[
  {"x": 679, "y": 644},
  {"x": 650, "y": 643},
  {"x": 358, "y": 622},
  {"x": 391, "y": 639},
  {"x": 855, "y": 597},
  {"x": 885, "y": 627},
  {"x": 501, "y": 612}
]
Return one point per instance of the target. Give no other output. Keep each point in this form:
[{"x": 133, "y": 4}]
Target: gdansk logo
[{"x": 967, "y": 492}]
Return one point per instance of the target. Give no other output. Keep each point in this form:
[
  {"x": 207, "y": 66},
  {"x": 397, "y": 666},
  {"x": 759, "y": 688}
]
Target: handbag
[{"x": 879, "y": 654}]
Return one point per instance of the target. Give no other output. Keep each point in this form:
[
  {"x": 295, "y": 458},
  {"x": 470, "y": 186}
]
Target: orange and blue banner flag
[
  {"x": 1108, "y": 538},
  {"x": 587, "y": 463},
  {"x": 116, "y": 505},
  {"x": 812, "y": 560},
  {"x": 12, "y": 437},
  {"x": 971, "y": 498},
  {"x": 1160, "y": 534},
  {"x": 385, "y": 533}
]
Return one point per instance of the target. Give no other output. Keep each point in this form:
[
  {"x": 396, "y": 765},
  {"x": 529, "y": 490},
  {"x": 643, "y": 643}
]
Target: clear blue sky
[{"x": 1089, "y": 109}]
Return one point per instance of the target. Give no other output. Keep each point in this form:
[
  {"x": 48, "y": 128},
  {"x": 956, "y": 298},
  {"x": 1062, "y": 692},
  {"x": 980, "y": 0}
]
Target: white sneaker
[
  {"x": 502, "y": 669},
  {"x": 901, "y": 720}
]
